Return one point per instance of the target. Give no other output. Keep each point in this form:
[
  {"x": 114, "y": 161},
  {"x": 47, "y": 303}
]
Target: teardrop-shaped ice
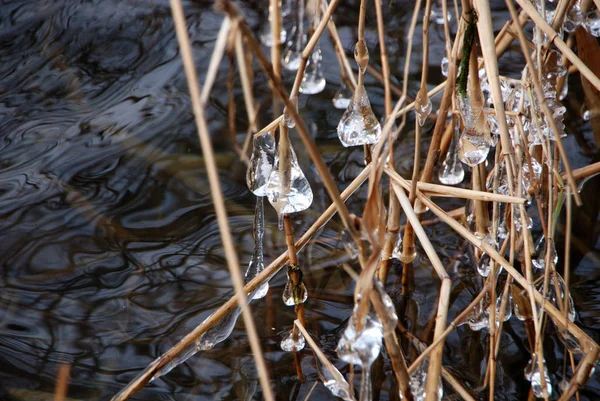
[
  {"x": 418, "y": 384},
  {"x": 267, "y": 39},
  {"x": 358, "y": 125},
  {"x": 468, "y": 113},
  {"x": 313, "y": 81},
  {"x": 341, "y": 99},
  {"x": 361, "y": 347},
  {"x": 532, "y": 373},
  {"x": 289, "y": 344},
  {"x": 295, "y": 292},
  {"x": 261, "y": 164},
  {"x": 445, "y": 65},
  {"x": 452, "y": 171},
  {"x": 292, "y": 54},
  {"x": 298, "y": 196},
  {"x": 422, "y": 107},
  {"x": 592, "y": 20},
  {"x": 397, "y": 252},
  {"x": 473, "y": 147}
]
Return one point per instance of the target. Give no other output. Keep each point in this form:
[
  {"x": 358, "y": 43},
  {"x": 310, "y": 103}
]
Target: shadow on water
[{"x": 110, "y": 249}]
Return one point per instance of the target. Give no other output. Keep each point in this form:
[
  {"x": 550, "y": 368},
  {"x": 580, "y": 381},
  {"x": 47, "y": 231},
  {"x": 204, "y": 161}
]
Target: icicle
[
  {"x": 256, "y": 263},
  {"x": 532, "y": 373},
  {"x": 313, "y": 81},
  {"x": 295, "y": 292},
  {"x": 358, "y": 125},
  {"x": 293, "y": 52},
  {"x": 418, "y": 384},
  {"x": 288, "y": 189},
  {"x": 452, "y": 172},
  {"x": 342, "y": 98},
  {"x": 289, "y": 344},
  {"x": 361, "y": 348},
  {"x": 261, "y": 164},
  {"x": 265, "y": 35},
  {"x": 334, "y": 381}
]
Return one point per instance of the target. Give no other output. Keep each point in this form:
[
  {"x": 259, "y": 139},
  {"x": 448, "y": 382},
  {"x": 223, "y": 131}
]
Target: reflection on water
[{"x": 110, "y": 249}]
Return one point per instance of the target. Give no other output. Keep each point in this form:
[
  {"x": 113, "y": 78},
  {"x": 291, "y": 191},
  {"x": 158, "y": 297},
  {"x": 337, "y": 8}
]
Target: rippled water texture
[{"x": 109, "y": 247}]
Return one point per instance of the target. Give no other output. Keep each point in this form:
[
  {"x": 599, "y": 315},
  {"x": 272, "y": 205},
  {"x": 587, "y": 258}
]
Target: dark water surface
[{"x": 109, "y": 247}]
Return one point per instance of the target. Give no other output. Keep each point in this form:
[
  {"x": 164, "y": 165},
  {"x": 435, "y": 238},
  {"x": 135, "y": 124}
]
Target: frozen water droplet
[
  {"x": 422, "y": 107},
  {"x": 334, "y": 381},
  {"x": 289, "y": 344},
  {"x": 473, "y": 147},
  {"x": 437, "y": 14},
  {"x": 289, "y": 191},
  {"x": 295, "y": 292},
  {"x": 565, "y": 89},
  {"x": 267, "y": 39},
  {"x": 586, "y": 115},
  {"x": 292, "y": 54},
  {"x": 358, "y": 125},
  {"x": 507, "y": 310},
  {"x": 418, "y": 381},
  {"x": 563, "y": 385},
  {"x": 361, "y": 348},
  {"x": 445, "y": 66},
  {"x": 218, "y": 332},
  {"x": 468, "y": 113},
  {"x": 451, "y": 171},
  {"x": 570, "y": 341},
  {"x": 592, "y": 20},
  {"x": 342, "y": 98},
  {"x": 261, "y": 164},
  {"x": 484, "y": 266},
  {"x": 313, "y": 81},
  {"x": 478, "y": 318},
  {"x": 532, "y": 373}
]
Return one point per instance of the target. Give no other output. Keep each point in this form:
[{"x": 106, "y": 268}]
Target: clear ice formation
[
  {"x": 445, "y": 66},
  {"x": 452, "y": 171},
  {"x": 294, "y": 292},
  {"x": 261, "y": 164},
  {"x": 397, "y": 252},
  {"x": 292, "y": 55},
  {"x": 289, "y": 344},
  {"x": 418, "y": 381},
  {"x": 532, "y": 373},
  {"x": 473, "y": 147},
  {"x": 342, "y": 98},
  {"x": 257, "y": 263},
  {"x": 313, "y": 81},
  {"x": 422, "y": 108},
  {"x": 361, "y": 347},
  {"x": 288, "y": 191},
  {"x": 358, "y": 125},
  {"x": 334, "y": 381}
]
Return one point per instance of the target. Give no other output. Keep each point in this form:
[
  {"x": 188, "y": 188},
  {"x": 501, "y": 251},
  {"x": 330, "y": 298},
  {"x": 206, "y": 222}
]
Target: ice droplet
[
  {"x": 452, "y": 172},
  {"x": 532, "y": 373},
  {"x": 293, "y": 198},
  {"x": 473, "y": 147},
  {"x": 445, "y": 66},
  {"x": 313, "y": 81},
  {"x": 422, "y": 107},
  {"x": 358, "y": 125},
  {"x": 418, "y": 382},
  {"x": 292, "y": 54},
  {"x": 267, "y": 39},
  {"x": 397, "y": 252},
  {"x": 295, "y": 292},
  {"x": 261, "y": 164},
  {"x": 342, "y": 98},
  {"x": 289, "y": 344},
  {"x": 592, "y": 20}
]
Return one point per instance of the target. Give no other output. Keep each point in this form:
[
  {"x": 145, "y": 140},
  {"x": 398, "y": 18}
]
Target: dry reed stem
[
  {"x": 275, "y": 22},
  {"x": 540, "y": 94},
  {"x": 486, "y": 38},
  {"x": 435, "y": 364},
  {"x": 451, "y": 327},
  {"x": 144, "y": 377},
  {"x": 246, "y": 82},
  {"x": 586, "y": 342},
  {"x": 62, "y": 382},
  {"x": 215, "y": 60},
  {"x": 339, "y": 48},
  {"x": 217, "y": 195},
  {"x": 448, "y": 191},
  {"x": 559, "y": 43},
  {"x": 450, "y": 379},
  {"x": 269, "y": 127}
]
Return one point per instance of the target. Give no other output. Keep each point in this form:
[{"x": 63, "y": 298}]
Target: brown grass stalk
[{"x": 217, "y": 195}]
